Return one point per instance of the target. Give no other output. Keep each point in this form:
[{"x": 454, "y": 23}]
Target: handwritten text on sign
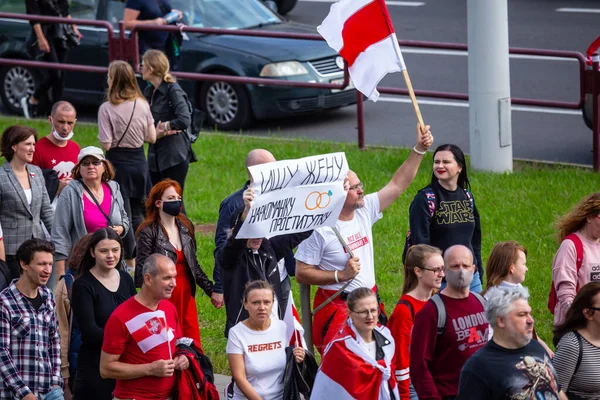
[{"x": 295, "y": 195}]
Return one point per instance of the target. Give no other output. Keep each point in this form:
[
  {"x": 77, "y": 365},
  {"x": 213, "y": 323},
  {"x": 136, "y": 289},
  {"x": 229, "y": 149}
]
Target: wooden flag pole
[{"x": 411, "y": 93}]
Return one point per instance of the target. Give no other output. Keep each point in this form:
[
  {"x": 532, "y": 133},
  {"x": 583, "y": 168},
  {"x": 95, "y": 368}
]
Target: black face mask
[{"x": 172, "y": 207}]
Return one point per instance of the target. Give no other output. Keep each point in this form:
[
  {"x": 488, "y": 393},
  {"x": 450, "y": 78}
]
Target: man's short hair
[
  {"x": 28, "y": 248},
  {"x": 151, "y": 264},
  {"x": 63, "y": 105},
  {"x": 500, "y": 301}
]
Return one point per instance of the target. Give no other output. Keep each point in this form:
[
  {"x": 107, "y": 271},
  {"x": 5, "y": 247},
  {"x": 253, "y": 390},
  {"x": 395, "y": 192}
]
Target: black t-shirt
[
  {"x": 92, "y": 303},
  {"x": 455, "y": 221},
  {"x": 36, "y": 302},
  {"x": 496, "y": 373},
  {"x": 149, "y": 10}
]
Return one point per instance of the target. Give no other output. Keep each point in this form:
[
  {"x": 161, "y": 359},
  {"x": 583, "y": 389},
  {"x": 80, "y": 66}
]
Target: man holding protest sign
[
  {"x": 243, "y": 260},
  {"x": 342, "y": 257}
]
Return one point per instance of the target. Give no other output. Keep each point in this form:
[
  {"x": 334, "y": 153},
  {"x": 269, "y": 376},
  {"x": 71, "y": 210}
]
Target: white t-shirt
[
  {"x": 28, "y": 195},
  {"x": 264, "y": 358},
  {"x": 324, "y": 249}
]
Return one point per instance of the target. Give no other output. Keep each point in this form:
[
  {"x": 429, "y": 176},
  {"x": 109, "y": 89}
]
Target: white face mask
[{"x": 57, "y": 136}]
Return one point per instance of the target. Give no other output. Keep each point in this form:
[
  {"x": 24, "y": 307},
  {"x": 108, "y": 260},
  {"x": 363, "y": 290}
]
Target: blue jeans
[
  {"x": 55, "y": 394},
  {"x": 475, "y": 283},
  {"x": 413, "y": 393}
]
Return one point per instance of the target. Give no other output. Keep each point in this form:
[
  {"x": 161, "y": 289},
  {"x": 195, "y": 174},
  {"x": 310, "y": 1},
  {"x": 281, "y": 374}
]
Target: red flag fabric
[
  {"x": 348, "y": 371},
  {"x": 363, "y": 33}
]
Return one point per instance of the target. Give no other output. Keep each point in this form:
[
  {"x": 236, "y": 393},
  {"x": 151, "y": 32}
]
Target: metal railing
[{"x": 128, "y": 49}]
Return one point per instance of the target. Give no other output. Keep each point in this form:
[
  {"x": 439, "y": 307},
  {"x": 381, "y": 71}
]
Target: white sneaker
[{"x": 25, "y": 107}]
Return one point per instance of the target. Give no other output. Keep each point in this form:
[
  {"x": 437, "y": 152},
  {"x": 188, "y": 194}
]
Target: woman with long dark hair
[
  {"x": 577, "y": 341},
  {"x": 101, "y": 286},
  {"x": 423, "y": 274},
  {"x": 443, "y": 213},
  {"x": 69, "y": 348},
  {"x": 578, "y": 256},
  {"x": 124, "y": 124},
  {"x": 169, "y": 232}
]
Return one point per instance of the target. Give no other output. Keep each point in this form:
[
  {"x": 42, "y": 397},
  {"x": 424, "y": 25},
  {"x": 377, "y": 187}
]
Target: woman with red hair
[{"x": 166, "y": 230}]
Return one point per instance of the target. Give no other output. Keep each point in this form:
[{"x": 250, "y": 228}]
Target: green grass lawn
[{"x": 521, "y": 206}]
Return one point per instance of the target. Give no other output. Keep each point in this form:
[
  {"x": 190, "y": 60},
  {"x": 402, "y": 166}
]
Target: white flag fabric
[
  {"x": 361, "y": 31},
  {"x": 150, "y": 329}
]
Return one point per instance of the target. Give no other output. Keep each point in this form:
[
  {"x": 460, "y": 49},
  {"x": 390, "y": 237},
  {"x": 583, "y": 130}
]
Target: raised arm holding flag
[{"x": 361, "y": 31}]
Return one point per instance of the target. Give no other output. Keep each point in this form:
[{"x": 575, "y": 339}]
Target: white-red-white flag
[
  {"x": 294, "y": 330},
  {"x": 361, "y": 31},
  {"x": 150, "y": 329}
]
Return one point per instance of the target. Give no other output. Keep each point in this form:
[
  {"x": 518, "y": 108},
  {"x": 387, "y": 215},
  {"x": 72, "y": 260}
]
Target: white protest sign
[{"x": 293, "y": 196}]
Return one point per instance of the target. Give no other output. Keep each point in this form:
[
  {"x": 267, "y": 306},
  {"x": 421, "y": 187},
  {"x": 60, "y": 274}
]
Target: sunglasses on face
[{"x": 95, "y": 163}]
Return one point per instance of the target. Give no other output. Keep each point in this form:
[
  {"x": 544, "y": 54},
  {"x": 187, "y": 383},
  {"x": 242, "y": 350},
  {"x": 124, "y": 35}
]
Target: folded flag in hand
[{"x": 361, "y": 31}]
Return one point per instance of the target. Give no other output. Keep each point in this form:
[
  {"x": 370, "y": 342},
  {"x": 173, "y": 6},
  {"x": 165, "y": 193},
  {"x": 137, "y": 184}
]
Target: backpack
[
  {"x": 432, "y": 205},
  {"x": 410, "y": 308},
  {"x": 197, "y": 116},
  {"x": 75, "y": 333},
  {"x": 198, "y": 381},
  {"x": 441, "y": 310},
  {"x": 553, "y": 297}
]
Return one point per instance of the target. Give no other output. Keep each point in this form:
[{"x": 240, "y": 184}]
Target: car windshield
[{"x": 225, "y": 14}]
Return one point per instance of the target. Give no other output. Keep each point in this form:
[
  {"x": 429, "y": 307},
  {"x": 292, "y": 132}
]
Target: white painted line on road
[
  {"x": 460, "y": 104},
  {"x": 389, "y": 2},
  {"x": 411, "y": 50},
  {"x": 579, "y": 10}
]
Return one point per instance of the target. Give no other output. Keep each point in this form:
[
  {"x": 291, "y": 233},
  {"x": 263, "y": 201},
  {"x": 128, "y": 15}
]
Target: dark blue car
[{"x": 227, "y": 106}]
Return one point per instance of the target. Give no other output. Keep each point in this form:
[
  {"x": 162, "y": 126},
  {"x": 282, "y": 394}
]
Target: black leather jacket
[
  {"x": 152, "y": 240},
  {"x": 239, "y": 268}
]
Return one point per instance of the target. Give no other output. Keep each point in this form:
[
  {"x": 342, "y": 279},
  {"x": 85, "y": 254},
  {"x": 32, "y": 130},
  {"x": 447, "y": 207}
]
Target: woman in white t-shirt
[{"x": 256, "y": 347}]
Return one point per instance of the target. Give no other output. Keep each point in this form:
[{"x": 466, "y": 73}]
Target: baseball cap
[{"x": 90, "y": 151}]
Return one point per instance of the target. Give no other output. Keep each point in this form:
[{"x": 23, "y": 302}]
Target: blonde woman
[
  {"x": 172, "y": 153},
  {"x": 578, "y": 257},
  {"x": 124, "y": 124}
]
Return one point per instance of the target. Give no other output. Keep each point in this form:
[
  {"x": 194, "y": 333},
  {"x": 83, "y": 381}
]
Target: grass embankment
[{"x": 520, "y": 206}]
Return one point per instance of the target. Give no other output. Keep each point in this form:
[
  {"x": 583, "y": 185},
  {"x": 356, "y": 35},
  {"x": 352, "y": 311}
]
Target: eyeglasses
[
  {"x": 593, "y": 308},
  {"x": 357, "y": 186},
  {"x": 365, "y": 313},
  {"x": 95, "y": 163},
  {"x": 436, "y": 271}
]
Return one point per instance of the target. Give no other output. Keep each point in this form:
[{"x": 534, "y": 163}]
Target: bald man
[
  {"x": 232, "y": 204},
  {"x": 56, "y": 151},
  {"x": 321, "y": 259}
]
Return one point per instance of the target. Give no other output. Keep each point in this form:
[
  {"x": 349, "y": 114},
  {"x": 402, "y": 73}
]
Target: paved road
[{"x": 537, "y": 134}]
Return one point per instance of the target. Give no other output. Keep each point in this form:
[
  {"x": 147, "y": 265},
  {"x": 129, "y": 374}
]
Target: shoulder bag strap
[
  {"x": 87, "y": 189},
  {"x": 579, "y": 356},
  {"x": 129, "y": 123},
  {"x": 410, "y": 308},
  {"x": 441, "y": 313}
]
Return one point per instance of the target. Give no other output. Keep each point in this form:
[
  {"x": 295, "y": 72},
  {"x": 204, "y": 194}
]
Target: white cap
[{"x": 90, "y": 151}]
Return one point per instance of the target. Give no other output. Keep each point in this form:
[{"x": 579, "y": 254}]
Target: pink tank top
[{"x": 92, "y": 216}]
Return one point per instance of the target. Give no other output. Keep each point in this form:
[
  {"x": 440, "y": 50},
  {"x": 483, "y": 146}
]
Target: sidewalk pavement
[{"x": 220, "y": 382}]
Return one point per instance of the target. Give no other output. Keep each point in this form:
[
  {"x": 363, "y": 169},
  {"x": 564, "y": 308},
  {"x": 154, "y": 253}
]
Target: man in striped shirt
[{"x": 29, "y": 339}]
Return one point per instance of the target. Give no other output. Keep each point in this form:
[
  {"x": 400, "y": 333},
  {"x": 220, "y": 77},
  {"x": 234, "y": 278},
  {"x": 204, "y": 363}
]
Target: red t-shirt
[
  {"x": 47, "y": 155},
  {"x": 139, "y": 335},
  {"x": 401, "y": 325},
  {"x": 435, "y": 367}
]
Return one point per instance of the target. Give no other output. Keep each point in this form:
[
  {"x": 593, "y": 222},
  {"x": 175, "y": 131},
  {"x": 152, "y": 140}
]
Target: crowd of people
[{"x": 82, "y": 228}]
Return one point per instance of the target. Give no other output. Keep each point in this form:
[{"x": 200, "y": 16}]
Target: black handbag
[
  {"x": 298, "y": 379},
  {"x": 64, "y": 32}
]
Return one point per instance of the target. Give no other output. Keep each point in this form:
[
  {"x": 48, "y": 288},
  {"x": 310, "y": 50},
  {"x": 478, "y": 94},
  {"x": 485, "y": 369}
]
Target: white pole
[{"x": 489, "y": 86}]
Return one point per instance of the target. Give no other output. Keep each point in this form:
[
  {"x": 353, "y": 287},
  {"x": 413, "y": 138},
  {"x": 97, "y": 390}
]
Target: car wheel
[
  {"x": 226, "y": 105},
  {"x": 17, "y": 82},
  {"x": 285, "y": 6}
]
